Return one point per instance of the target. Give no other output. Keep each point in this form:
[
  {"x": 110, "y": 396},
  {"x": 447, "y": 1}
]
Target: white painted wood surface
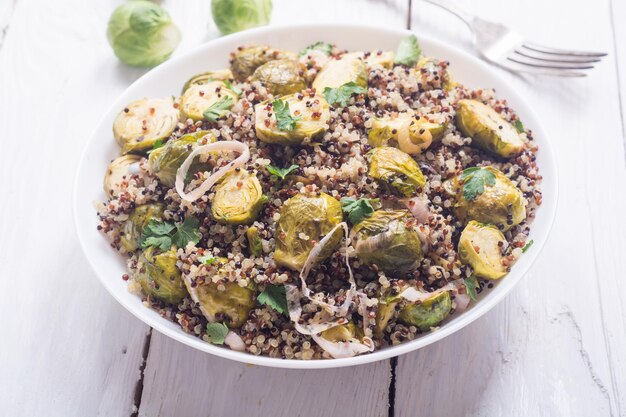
[{"x": 555, "y": 347}]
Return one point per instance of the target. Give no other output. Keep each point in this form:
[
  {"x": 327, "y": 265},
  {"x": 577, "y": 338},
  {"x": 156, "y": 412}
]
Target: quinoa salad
[{"x": 320, "y": 203}]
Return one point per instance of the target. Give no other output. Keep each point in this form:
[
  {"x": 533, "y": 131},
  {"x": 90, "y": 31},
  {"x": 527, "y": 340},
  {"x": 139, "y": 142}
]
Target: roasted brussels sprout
[
  {"x": 137, "y": 221},
  {"x": 481, "y": 246},
  {"x": 342, "y": 333},
  {"x": 337, "y": 72},
  {"x": 231, "y": 305},
  {"x": 313, "y": 113},
  {"x": 386, "y": 239},
  {"x": 488, "y": 130},
  {"x": 199, "y": 97},
  {"x": 501, "y": 204},
  {"x": 282, "y": 76},
  {"x": 159, "y": 276},
  {"x": 304, "y": 220},
  {"x": 140, "y": 124},
  {"x": 371, "y": 59},
  {"x": 386, "y": 309},
  {"x": 395, "y": 170},
  {"x": 238, "y": 198},
  {"x": 166, "y": 160},
  {"x": 428, "y": 313},
  {"x": 206, "y": 77},
  {"x": 411, "y": 134},
  {"x": 254, "y": 241},
  {"x": 246, "y": 60},
  {"x": 120, "y": 170},
  {"x": 428, "y": 66}
]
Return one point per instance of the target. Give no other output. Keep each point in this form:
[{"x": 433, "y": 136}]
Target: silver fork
[{"x": 500, "y": 45}]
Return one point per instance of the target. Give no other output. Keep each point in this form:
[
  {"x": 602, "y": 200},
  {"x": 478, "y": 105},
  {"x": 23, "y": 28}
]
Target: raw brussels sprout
[
  {"x": 412, "y": 134},
  {"x": 304, "y": 220},
  {"x": 479, "y": 247},
  {"x": 337, "y": 72},
  {"x": 246, "y": 60},
  {"x": 314, "y": 114},
  {"x": 254, "y": 241},
  {"x": 142, "y": 33},
  {"x": 501, "y": 204},
  {"x": 342, "y": 333},
  {"x": 488, "y": 130},
  {"x": 282, "y": 76},
  {"x": 395, "y": 170},
  {"x": 230, "y": 306},
  {"x": 235, "y": 15},
  {"x": 120, "y": 170},
  {"x": 159, "y": 276},
  {"x": 140, "y": 124},
  {"x": 206, "y": 77},
  {"x": 238, "y": 198},
  {"x": 166, "y": 160},
  {"x": 199, "y": 97},
  {"x": 386, "y": 239},
  {"x": 429, "y": 313},
  {"x": 137, "y": 221},
  {"x": 382, "y": 58}
]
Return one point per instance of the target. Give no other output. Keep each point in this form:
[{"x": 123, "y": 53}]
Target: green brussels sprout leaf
[
  {"x": 281, "y": 172},
  {"x": 207, "y": 259},
  {"x": 519, "y": 126},
  {"x": 470, "y": 286},
  {"x": 358, "y": 210},
  {"x": 341, "y": 95},
  {"x": 218, "y": 109},
  {"x": 474, "y": 181},
  {"x": 217, "y": 332},
  {"x": 275, "y": 297},
  {"x": 284, "y": 119},
  {"x": 527, "y": 246},
  {"x": 408, "y": 52},
  {"x": 325, "y": 48}
]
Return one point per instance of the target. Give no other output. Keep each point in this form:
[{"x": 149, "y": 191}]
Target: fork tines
[{"x": 561, "y": 60}]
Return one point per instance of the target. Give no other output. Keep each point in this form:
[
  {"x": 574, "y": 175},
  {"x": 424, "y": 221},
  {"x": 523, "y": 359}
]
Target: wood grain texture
[{"x": 555, "y": 346}]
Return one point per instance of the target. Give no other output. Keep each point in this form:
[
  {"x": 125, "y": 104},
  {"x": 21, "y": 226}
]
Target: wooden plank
[{"x": 555, "y": 346}]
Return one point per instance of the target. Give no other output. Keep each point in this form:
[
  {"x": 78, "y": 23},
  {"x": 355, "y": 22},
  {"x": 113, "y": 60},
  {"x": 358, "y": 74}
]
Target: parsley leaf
[
  {"x": 470, "y": 286},
  {"x": 341, "y": 95},
  {"x": 161, "y": 242},
  {"x": 275, "y": 297},
  {"x": 157, "y": 144},
  {"x": 217, "y": 332},
  {"x": 233, "y": 88},
  {"x": 408, "y": 51},
  {"x": 519, "y": 126},
  {"x": 284, "y": 120},
  {"x": 527, "y": 246},
  {"x": 218, "y": 109},
  {"x": 187, "y": 232},
  {"x": 325, "y": 48},
  {"x": 358, "y": 210},
  {"x": 474, "y": 181},
  {"x": 281, "y": 172},
  {"x": 207, "y": 259}
]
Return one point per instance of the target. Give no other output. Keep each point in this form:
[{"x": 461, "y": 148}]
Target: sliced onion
[
  {"x": 349, "y": 349},
  {"x": 229, "y": 145},
  {"x": 319, "y": 322},
  {"x": 461, "y": 301},
  {"x": 418, "y": 208},
  {"x": 414, "y": 295},
  {"x": 235, "y": 342}
]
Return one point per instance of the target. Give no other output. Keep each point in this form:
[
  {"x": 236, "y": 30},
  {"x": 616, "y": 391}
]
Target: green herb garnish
[
  {"x": 470, "y": 286},
  {"x": 157, "y": 144},
  {"x": 341, "y": 95},
  {"x": 325, "y": 48},
  {"x": 281, "y": 172},
  {"x": 408, "y": 51},
  {"x": 358, "y": 210},
  {"x": 275, "y": 297},
  {"x": 284, "y": 120},
  {"x": 233, "y": 88},
  {"x": 519, "y": 126},
  {"x": 474, "y": 181},
  {"x": 163, "y": 234},
  {"x": 207, "y": 259},
  {"x": 217, "y": 332},
  {"x": 218, "y": 109},
  {"x": 527, "y": 246}
]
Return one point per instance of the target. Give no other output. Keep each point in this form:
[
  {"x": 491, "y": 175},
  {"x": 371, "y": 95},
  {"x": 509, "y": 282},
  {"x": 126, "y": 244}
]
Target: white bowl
[{"x": 167, "y": 80}]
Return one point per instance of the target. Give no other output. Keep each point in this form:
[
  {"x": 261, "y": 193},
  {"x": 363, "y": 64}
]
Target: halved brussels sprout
[
  {"x": 282, "y": 76},
  {"x": 120, "y": 170},
  {"x": 412, "y": 133},
  {"x": 386, "y": 239},
  {"x": 140, "y": 124},
  {"x": 206, "y": 77},
  {"x": 432, "y": 66},
  {"x": 254, "y": 241},
  {"x": 383, "y": 58},
  {"x": 386, "y": 310},
  {"x": 305, "y": 220},
  {"x": 428, "y": 313},
  {"x": 314, "y": 115},
  {"x": 166, "y": 160},
  {"x": 488, "y": 130},
  {"x": 230, "y": 306},
  {"x": 238, "y": 198},
  {"x": 137, "y": 221},
  {"x": 342, "y": 333},
  {"x": 501, "y": 204},
  {"x": 199, "y": 97},
  {"x": 396, "y": 171},
  {"x": 480, "y": 246},
  {"x": 249, "y": 58},
  {"x": 337, "y": 72},
  {"x": 159, "y": 276}
]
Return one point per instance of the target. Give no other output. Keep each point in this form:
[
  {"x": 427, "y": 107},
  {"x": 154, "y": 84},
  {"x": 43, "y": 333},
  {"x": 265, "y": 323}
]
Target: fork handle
[{"x": 454, "y": 9}]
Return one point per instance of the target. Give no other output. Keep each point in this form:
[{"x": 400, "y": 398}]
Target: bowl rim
[{"x": 547, "y": 210}]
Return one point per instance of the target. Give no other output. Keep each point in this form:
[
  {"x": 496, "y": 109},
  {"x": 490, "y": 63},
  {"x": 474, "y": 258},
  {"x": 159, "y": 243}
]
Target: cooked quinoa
[{"x": 335, "y": 161}]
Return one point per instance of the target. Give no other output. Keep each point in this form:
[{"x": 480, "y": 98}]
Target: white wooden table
[{"x": 555, "y": 347}]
